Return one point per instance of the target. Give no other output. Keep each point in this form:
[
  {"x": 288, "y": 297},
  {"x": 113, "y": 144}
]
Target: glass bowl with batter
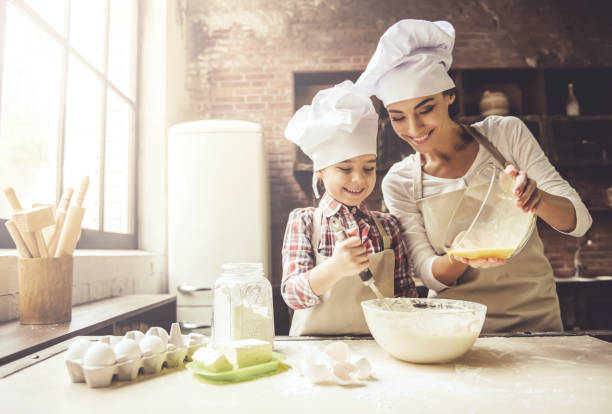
[{"x": 424, "y": 330}]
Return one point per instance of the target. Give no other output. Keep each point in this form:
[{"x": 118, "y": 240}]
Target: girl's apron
[
  {"x": 520, "y": 295},
  {"x": 339, "y": 311}
]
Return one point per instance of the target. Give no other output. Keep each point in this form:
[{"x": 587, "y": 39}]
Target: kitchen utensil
[
  {"x": 19, "y": 243},
  {"x": 486, "y": 222},
  {"x": 45, "y": 290},
  {"x": 28, "y": 238},
  {"x": 71, "y": 230},
  {"x": 242, "y": 304},
  {"x": 60, "y": 217},
  {"x": 366, "y": 275},
  {"x": 440, "y": 331},
  {"x": 33, "y": 221}
]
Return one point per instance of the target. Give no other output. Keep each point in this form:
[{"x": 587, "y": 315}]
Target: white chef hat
[
  {"x": 411, "y": 60},
  {"x": 340, "y": 124}
]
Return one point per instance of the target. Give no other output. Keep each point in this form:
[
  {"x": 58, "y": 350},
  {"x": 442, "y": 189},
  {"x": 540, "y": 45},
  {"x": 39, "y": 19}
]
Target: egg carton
[{"x": 125, "y": 358}]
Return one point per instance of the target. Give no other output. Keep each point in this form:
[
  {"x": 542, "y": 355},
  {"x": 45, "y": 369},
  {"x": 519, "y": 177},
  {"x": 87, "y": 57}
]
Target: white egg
[
  {"x": 128, "y": 349},
  {"x": 159, "y": 332},
  {"x": 338, "y": 351},
  {"x": 196, "y": 338},
  {"x": 364, "y": 368},
  {"x": 315, "y": 372},
  {"x": 343, "y": 371},
  {"x": 77, "y": 349},
  {"x": 98, "y": 355},
  {"x": 135, "y": 335},
  {"x": 153, "y": 344}
]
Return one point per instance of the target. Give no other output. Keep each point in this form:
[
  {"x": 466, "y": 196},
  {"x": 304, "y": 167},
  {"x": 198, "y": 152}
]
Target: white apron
[
  {"x": 339, "y": 312},
  {"x": 521, "y": 294}
]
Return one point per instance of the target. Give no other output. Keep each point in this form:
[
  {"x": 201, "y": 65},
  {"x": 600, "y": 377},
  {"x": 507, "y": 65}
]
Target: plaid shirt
[{"x": 299, "y": 257}]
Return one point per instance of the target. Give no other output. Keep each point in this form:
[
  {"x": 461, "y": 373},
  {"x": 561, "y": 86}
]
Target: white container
[
  {"x": 218, "y": 208},
  {"x": 243, "y": 306}
]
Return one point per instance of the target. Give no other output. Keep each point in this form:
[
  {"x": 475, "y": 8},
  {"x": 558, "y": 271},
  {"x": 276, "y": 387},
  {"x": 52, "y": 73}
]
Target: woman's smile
[{"x": 420, "y": 140}]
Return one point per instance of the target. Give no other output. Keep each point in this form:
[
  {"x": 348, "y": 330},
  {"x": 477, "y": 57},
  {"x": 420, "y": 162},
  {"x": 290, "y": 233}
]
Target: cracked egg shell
[
  {"x": 364, "y": 368},
  {"x": 128, "y": 349},
  {"x": 152, "y": 343},
  {"x": 314, "y": 372},
  {"x": 343, "y": 371},
  {"x": 99, "y": 355},
  {"x": 78, "y": 349},
  {"x": 338, "y": 351}
]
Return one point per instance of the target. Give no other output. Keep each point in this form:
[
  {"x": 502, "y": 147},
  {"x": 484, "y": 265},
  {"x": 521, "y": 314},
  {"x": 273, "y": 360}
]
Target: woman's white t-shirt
[{"x": 516, "y": 143}]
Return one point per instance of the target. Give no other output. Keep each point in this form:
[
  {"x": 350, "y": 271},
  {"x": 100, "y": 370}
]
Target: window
[{"x": 68, "y": 110}]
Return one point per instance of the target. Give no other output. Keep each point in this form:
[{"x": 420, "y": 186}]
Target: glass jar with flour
[{"x": 242, "y": 306}]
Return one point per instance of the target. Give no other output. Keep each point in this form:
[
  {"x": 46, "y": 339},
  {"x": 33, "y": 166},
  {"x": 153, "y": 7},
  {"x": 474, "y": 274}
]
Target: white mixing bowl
[{"x": 424, "y": 330}]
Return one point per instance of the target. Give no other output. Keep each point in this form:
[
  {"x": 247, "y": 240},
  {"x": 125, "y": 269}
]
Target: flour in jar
[{"x": 233, "y": 323}]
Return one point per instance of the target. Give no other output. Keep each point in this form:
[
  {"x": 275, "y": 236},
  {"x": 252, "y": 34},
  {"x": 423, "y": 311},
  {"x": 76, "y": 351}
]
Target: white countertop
[{"x": 560, "y": 374}]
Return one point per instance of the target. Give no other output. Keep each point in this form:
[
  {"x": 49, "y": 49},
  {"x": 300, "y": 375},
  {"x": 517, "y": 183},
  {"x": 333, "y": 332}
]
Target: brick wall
[{"x": 242, "y": 55}]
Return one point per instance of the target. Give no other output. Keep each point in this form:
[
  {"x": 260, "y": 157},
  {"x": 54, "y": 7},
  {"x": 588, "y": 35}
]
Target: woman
[{"x": 408, "y": 72}]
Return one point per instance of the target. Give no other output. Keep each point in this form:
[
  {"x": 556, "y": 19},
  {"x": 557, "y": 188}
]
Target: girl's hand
[
  {"x": 350, "y": 257},
  {"x": 525, "y": 189},
  {"x": 480, "y": 263}
]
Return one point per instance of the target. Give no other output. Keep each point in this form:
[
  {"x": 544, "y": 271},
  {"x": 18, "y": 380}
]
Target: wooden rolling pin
[
  {"x": 71, "y": 229},
  {"x": 60, "y": 217},
  {"x": 33, "y": 221},
  {"x": 28, "y": 238},
  {"x": 19, "y": 243}
]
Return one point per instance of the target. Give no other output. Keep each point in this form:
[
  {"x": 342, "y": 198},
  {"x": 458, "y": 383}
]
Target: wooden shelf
[
  {"x": 96, "y": 318},
  {"x": 537, "y": 96},
  {"x": 585, "y": 118}
]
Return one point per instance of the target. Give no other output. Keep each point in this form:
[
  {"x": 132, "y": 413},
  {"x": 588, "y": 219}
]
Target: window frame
[{"x": 90, "y": 239}]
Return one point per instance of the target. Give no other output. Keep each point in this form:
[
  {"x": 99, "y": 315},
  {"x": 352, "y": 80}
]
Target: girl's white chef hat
[
  {"x": 411, "y": 60},
  {"x": 340, "y": 124}
]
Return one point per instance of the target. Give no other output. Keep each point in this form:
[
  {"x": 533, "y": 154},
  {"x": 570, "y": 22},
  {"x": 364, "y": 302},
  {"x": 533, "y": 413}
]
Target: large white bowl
[{"x": 424, "y": 330}]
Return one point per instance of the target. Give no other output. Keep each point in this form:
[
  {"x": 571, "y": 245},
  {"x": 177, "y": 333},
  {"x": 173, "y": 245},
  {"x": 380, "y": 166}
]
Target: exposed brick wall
[{"x": 243, "y": 53}]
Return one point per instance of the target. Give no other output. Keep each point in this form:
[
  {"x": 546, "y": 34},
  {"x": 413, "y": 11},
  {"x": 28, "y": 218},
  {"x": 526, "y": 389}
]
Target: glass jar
[{"x": 242, "y": 305}]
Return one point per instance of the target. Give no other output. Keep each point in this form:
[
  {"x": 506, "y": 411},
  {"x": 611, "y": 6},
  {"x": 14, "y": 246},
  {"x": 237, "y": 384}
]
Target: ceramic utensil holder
[{"x": 45, "y": 290}]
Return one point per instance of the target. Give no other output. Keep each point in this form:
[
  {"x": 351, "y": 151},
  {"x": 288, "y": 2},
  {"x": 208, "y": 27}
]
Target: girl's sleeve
[
  {"x": 398, "y": 198},
  {"x": 530, "y": 157},
  {"x": 298, "y": 261}
]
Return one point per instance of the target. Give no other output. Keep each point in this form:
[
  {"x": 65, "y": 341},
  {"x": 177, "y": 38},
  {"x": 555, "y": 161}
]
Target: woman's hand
[
  {"x": 525, "y": 189},
  {"x": 350, "y": 257},
  {"x": 480, "y": 263}
]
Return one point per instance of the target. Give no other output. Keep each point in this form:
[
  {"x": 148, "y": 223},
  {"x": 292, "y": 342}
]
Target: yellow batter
[{"x": 499, "y": 253}]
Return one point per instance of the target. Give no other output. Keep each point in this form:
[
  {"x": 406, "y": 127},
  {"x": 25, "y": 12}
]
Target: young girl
[
  {"x": 408, "y": 72},
  {"x": 320, "y": 274}
]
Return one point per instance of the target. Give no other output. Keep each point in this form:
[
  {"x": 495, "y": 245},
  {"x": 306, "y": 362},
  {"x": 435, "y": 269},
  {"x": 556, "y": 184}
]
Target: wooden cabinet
[{"x": 537, "y": 96}]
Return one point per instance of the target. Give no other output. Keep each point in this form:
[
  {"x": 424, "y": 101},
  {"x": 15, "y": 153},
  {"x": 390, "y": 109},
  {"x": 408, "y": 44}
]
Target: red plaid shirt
[{"x": 299, "y": 257}]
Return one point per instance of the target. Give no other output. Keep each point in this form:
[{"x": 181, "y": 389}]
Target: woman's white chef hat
[
  {"x": 411, "y": 60},
  {"x": 340, "y": 124}
]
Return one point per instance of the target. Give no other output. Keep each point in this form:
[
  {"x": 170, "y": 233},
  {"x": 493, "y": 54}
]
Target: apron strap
[
  {"x": 417, "y": 181},
  {"x": 382, "y": 231},
  {"x": 316, "y": 230},
  {"x": 484, "y": 141}
]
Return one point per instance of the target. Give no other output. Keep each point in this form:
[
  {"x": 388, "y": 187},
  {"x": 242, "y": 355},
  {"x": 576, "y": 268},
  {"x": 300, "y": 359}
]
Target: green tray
[{"x": 239, "y": 374}]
